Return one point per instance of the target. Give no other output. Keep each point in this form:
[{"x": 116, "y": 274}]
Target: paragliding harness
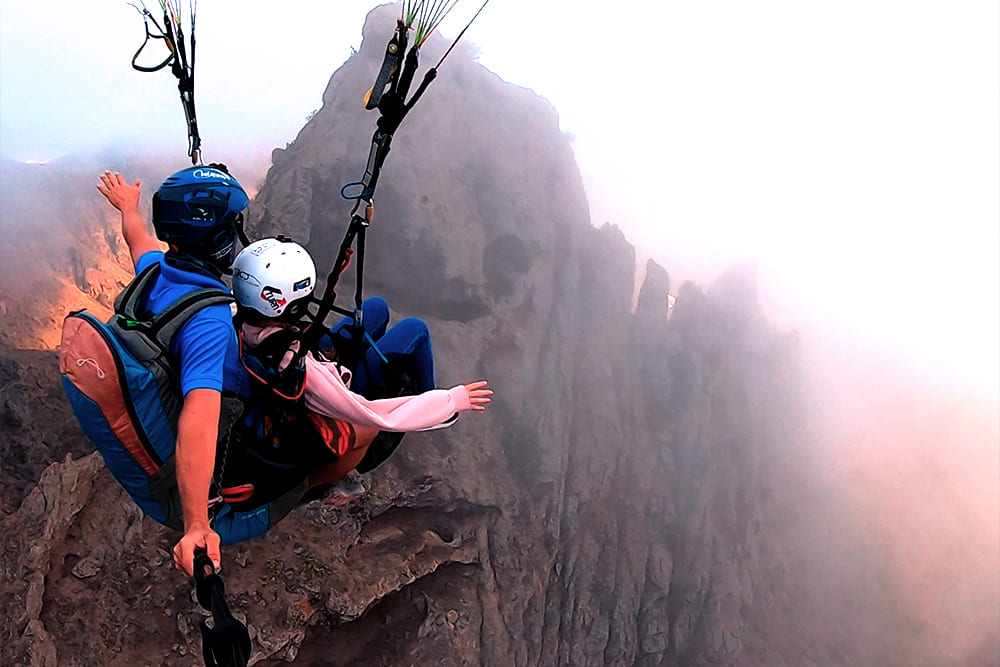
[
  {"x": 124, "y": 388},
  {"x": 123, "y": 385},
  {"x": 172, "y": 35},
  {"x": 277, "y": 442}
]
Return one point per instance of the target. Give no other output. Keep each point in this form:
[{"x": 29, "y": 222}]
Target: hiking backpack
[{"x": 122, "y": 383}]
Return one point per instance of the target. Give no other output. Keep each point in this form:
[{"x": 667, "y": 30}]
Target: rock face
[
  {"x": 606, "y": 510},
  {"x": 614, "y": 523}
]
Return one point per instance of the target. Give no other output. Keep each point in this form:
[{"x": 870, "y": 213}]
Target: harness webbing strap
[
  {"x": 164, "y": 325},
  {"x": 127, "y": 303},
  {"x": 147, "y": 17},
  {"x": 389, "y": 72},
  {"x": 173, "y": 37},
  {"x": 388, "y": 95}
]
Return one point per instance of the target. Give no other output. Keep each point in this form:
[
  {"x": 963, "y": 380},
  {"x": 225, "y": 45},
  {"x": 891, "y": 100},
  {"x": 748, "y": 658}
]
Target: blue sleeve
[
  {"x": 202, "y": 345},
  {"x": 150, "y": 257}
]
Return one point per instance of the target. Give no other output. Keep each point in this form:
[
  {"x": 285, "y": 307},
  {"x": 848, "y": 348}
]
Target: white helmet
[{"x": 271, "y": 274}]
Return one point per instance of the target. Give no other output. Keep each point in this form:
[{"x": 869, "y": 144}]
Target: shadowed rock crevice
[{"x": 427, "y": 618}]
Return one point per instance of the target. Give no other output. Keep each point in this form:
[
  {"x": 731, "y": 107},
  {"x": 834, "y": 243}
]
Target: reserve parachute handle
[
  {"x": 389, "y": 96},
  {"x": 172, "y": 35}
]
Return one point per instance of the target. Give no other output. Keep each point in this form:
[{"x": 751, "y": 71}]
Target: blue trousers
[{"x": 406, "y": 345}]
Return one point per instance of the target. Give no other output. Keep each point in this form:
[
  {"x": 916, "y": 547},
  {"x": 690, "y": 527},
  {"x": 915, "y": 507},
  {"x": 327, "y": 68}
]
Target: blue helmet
[{"x": 196, "y": 210}]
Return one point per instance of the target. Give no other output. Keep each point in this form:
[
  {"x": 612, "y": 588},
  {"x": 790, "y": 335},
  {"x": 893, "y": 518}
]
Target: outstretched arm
[
  {"x": 125, "y": 198},
  {"x": 327, "y": 395},
  {"x": 197, "y": 430}
]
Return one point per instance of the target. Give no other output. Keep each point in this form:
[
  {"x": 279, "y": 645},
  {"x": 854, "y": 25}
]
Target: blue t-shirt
[{"x": 206, "y": 346}]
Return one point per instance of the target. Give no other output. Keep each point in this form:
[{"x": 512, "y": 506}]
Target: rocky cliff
[
  {"x": 615, "y": 525},
  {"x": 611, "y": 508}
]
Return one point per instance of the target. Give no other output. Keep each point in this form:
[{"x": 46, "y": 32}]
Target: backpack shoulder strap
[
  {"x": 166, "y": 324},
  {"x": 127, "y": 302},
  {"x": 163, "y": 326}
]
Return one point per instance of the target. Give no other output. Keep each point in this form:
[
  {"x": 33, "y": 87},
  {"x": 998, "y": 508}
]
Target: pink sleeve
[{"x": 326, "y": 394}]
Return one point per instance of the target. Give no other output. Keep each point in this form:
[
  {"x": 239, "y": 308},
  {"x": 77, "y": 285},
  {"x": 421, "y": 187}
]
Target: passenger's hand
[
  {"x": 194, "y": 537},
  {"x": 479, "y": 395},
  {"x": 120, "y": 194}
]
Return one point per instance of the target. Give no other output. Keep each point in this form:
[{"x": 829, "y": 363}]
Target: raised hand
[
  {"x": 120, "y": 194},
  {"x": 125, "y": 198}
]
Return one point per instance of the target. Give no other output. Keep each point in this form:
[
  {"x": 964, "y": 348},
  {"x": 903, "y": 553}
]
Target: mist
[
  {"x": 862, "y": 181},
  {"x": 911, "y": 465},
  {"x": 849, "y": 151}
]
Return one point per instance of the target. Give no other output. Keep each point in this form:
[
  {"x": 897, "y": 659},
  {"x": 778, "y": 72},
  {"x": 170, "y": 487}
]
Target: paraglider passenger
[{"x": 272, "y": 280}]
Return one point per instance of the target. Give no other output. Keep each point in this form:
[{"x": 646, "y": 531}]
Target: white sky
[{"x": 852, "y": 148}]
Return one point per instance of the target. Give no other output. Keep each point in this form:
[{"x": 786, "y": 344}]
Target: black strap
[
  {"x": 280, "y": 386},
  {"x": 182, "y": 68},
  {"x": 162, "y": 327},
  {"x": 388, "y": 95},
  {"x": 173, "y": 317},
  {"x": 227, "y": 642},
  {"x": 389, "y": 72},
  {"x": 127, "y": 303},
  {"x": 147, "y": 19}
]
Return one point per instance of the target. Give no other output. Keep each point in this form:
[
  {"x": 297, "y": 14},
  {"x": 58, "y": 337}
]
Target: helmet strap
[
  {"x": 185, "y": 261},
  {"x": 240, "y": 231}
]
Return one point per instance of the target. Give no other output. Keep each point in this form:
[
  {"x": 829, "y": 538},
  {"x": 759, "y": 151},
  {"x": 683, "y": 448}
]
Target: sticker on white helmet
[
  {"x": 259, "y": 248},
  {"x": 274, "y": 297}
]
